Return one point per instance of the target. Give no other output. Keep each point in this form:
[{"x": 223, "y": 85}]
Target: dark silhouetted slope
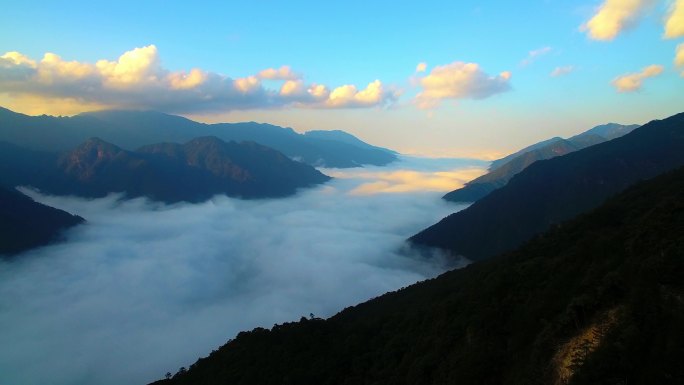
[
  {"x": 596, "y": 301},
  {"x": 554, "y": 190},
  {"x": 502, "y": 170},
  {"x": 25, "y": 224},
  {"x": 132, "y": 129}
]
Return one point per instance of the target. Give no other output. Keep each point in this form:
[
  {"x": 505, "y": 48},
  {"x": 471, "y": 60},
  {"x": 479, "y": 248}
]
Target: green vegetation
[{"x": 597, "y": 300}]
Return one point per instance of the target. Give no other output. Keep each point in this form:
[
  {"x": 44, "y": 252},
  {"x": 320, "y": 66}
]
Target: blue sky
[{"x": 512, "y": 99}]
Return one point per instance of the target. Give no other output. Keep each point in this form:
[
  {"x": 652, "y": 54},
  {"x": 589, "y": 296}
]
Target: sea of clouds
[{"x": 145, "y": 288}]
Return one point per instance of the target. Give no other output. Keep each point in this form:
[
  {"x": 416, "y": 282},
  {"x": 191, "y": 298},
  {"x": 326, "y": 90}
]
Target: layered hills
[
  {"x": 133, "y": 129},
  {"x": 167, "y": 172},
  {"x": 551, "y": 191},
  {"x": 502, "y": 170},
  {"x": 594, "y": 301}
]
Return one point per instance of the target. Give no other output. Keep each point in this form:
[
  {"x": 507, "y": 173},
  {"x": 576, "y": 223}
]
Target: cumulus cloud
[
  {"x": 560, "y": 71},
  {"x": 145, "y": 288},
  {"x": 632, "y": 82},
  {"x": 615, "y": 16},
  {"x": 459, "y": 80},
  {"x": 138, "y": 80},
  {"x": 679, "y": 56},
  {"x": 282, "y": 73},
  {"x": 674, "y": 21},
  {"x": 534, "y": 55},
  {"x": 421, "y": 67}
]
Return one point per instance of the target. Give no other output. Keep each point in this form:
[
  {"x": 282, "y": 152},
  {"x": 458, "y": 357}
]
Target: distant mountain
[
  {"x": 502, "y": 170},
  {"x": 551, "y": 191},
  {"x": 595, "y": 301},
  {"x": 343, "y": 137},
  {"x": 25, "y": 224},
  {"x": 132, "y": 129},
  {"x": 167, "y": 172}
]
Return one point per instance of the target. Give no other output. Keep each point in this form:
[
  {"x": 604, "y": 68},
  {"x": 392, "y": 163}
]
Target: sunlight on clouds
[
  {"x": 674, "y": 22},
  {"x": 37, "y": 105},
  {"x": 247, "y": 84},
  {"x": 137, "y": 80},
  {"x": 349, "y": 96},
  {"x": 292, "y": 87},
  {"x": 183, "y": 81},
  {"x": 613, "y": 17},
  {"x": 421, "y": 67},
  {"x": 136, "y": 66},
  {"x": 459, "y": 80},
  {"x": 282, "y": 73},
  {"x": 402, "y": 181},
  {"x": 17, "y": 58},
  {"x": 632, "y": 82},
  {"x": 679, "y": 56}
]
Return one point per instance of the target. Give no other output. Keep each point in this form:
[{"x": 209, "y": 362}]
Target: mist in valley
[{"x": 144, "y": 288}]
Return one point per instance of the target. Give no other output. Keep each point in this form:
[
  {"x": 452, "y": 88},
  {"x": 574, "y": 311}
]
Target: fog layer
[{"x": 144, "y": 288}]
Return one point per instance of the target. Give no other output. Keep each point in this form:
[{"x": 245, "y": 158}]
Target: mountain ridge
[
  {"x": 553, "y": 190},
  {"x": 130, "y": 129}
]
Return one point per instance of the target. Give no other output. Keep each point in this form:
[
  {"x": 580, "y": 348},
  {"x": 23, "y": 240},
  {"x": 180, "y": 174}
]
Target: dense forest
[{"x": 595, "y": 300}]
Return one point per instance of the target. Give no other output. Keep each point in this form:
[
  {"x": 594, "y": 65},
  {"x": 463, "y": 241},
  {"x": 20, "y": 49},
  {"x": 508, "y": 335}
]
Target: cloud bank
[
  {"x": 633, "y": 82},
  {"x": 615, "y": 16},
  {"x": 459, "y": 80},
  {"x": 145, "y": 288},
  {"x": 138, "y": 80}
]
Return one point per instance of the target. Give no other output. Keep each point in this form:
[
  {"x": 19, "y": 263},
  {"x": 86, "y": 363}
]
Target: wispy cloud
[
  {"x": 674, "y": 21},
  {"x": 679, "y": 56},
  {"x": 421, "y": 67},
  {"x": 615, "y": 16},
  {"x": 632, "y": 82},
  {"x": 561, "y": 71},
  {"x": 459, "y": 80},
  {"x": 534, "y": 55},
  {"x": 138, "y": 80}
]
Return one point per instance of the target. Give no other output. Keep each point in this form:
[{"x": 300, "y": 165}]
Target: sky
[
  {"x": 144, "y": 288},
  {"x": 456, "y": 78}
]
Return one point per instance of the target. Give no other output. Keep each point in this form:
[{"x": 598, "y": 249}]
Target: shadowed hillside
[
  {"x": 25, "y": 224},
  {"x": 551, "y": 191},
  {"x": 594, "y": 301}
]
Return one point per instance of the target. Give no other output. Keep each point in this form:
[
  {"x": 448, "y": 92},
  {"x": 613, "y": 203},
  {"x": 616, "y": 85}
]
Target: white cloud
[
  {"x": 138, "y": 80},
  {"x": 459, "y": 80},
  {"x": 632, "y": 82},
  {"x": 614, "y": 16},
  {"x": 282, "y": 73},
  {"x": 674, "y": 22},
  {"x": 534, "y": 55},
  {"x": 421, "y": 67},
  {"x": 560, "y": 71},
  {"x": 150, "y": 288}
]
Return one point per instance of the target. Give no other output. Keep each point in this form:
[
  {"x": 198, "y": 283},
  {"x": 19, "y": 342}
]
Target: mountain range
[
  {"x": 168, "y": 172},
  {"x": 596, "y": 300},
  {"x": 502, "y": 170},
  {"x": 133, "y": 129},
  {"x": 25, "y": 224},
  {"x": 554, "y": 190}
]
